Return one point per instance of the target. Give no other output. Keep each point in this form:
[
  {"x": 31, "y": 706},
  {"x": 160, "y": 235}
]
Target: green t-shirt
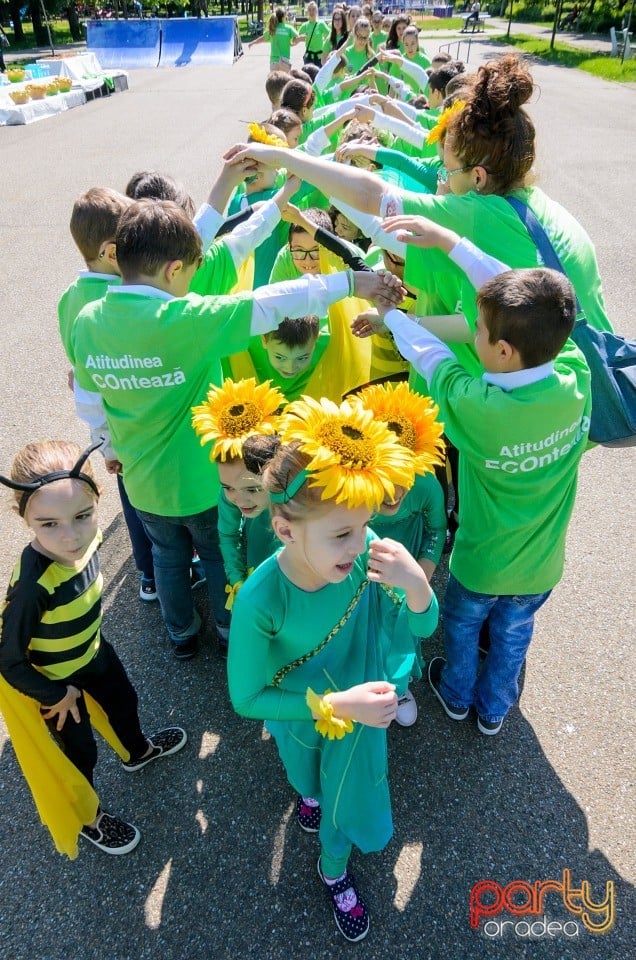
[
  {"x": 421, "y": 60},
  {"x": 151, "y": 360},
  {"x": 420, "y": 523},
  {"x": 217, "y": 274},
  {"x": 356, "y": 59},
  {"x": 281, "y": 42},
  {"x": 520, "y": 452},
  {"x": 245, "y": 542},
  {"x": 377, "y": 39},
  {"x": 316, "y": 33},
  {"x": 492, "y": 225},
  {"x": 86, "y": 289}
]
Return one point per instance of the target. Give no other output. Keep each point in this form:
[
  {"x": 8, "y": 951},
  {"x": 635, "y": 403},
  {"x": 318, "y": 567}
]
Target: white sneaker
[{"x": 406, "y": 710}]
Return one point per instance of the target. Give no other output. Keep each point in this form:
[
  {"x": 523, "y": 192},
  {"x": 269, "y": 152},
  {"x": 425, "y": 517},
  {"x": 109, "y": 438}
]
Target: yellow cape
[{"x": 64, "y": 798}]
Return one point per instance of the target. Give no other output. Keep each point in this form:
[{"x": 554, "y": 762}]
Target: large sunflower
[
  {"x": 234, "y": 412},
  {"x": 438, "y": 132},
  {"x": 356, "y": 461},
  {"x": 412, "y": 418}
]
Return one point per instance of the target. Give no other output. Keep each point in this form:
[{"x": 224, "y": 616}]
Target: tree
[{"x": 14, "y": 8}]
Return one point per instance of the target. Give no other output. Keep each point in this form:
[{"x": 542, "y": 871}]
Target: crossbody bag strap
[
  {"x": 282, "y": 673},
  {"x": 541, "y": 239}
]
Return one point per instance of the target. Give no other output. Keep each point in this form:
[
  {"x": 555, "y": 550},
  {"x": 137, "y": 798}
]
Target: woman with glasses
[
  {"x": 339, "y": 33},
  {"x": 360, "y": 51}
]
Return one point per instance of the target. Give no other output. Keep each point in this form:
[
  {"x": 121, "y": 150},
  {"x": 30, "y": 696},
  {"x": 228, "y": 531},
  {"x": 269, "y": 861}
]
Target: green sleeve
[
  {"x": 217, "y": 274},
  {"x": 423, "y": 171},
  {"x": 434, "y": 511},
  {"x": 231, "y": 540},
  {"x": 253, "y": 630}
]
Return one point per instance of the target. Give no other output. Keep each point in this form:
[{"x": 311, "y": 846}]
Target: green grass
[
  {"x": 599, "y": 64},
  {"x": 59, "y": 31}
]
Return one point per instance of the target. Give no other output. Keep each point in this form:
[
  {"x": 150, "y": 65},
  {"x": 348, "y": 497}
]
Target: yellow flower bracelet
[{"x": 327, "y": 725}]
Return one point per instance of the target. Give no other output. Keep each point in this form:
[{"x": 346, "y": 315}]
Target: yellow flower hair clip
[
  {"x": 259, "y": 134},
  {"x": 327, "y": 725},
  {"x": 234, "y": 412},
  {"x": 356, "y": 460},
  {"x": 445, "y": 117},
  {"x": 413, "y": 419}
]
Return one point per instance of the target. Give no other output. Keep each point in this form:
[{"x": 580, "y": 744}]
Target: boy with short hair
[
  {"x": 274, "y": 84},
  {"x": 174, "y": 342},
  {"x": 521, "y": 431}
]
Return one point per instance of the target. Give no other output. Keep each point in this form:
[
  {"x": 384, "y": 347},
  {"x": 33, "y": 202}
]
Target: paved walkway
[{"x": 222, "y": 872}]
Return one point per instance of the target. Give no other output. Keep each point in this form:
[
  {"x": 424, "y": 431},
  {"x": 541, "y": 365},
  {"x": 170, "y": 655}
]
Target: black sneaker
[
  {"x": 163, "y": 744},
  {"x": 187, "y": 649},
  {"x": 488, "y": 727},
  {"x": 197, "y": 575},
  {"x": 349, "y": 911},
  {"x": 435, "y": 668},
  {"x": 147, "y": 589},
  {"x": 112, "y": 835},
  {"x": 308, "y": 817}
]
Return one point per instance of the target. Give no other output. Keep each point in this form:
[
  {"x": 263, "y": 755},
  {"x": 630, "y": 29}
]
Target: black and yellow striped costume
[{"x": 49, "y": 638}]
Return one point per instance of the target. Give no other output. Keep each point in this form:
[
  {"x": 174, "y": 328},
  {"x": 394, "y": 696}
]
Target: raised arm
[{"x": 359, "y": 188}]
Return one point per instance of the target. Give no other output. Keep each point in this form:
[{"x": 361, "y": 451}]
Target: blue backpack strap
[{"x": 540, "y": 237}]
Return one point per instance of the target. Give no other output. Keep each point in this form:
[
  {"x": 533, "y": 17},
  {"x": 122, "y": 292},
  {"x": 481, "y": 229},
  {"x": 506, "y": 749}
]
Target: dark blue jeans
[
  {"x": 172, "y": 541},
  {"x": 495, "y": 688},
  {"x": 141, "y": 545}
]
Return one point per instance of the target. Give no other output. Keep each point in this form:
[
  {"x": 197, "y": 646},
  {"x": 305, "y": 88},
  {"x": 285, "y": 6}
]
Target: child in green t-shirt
[
  {"x": 521, "y": 431},
  {"x": 144, "y": 354}
]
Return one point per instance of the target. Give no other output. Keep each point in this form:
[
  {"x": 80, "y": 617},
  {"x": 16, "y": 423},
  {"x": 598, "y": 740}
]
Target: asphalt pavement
[{"x": 222, "y": 870}]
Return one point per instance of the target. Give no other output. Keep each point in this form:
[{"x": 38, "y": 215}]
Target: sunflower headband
[
  {"x": 355, "y": 460},
  {"x": 75, "y": 473},
  {"x": 412, "y": 418},
  {"x": 445, "y": 117},
  {"x": 234, "y": 412}
]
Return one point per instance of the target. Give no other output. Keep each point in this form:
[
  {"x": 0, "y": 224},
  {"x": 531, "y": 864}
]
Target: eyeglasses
[
  {"x": 444, "y": 175},
  {"x": 304, "y": 254}
]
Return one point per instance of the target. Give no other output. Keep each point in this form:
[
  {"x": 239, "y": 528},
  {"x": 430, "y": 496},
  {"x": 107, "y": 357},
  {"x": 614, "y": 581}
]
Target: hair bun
[{"x": 503, "y": 86}]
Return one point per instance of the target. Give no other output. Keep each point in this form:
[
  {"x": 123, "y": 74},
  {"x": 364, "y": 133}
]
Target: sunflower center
[
  {"x": 404, "y": 431},
  {"x": 349, "y": 443},
  {"x": 239, "y": 418}
]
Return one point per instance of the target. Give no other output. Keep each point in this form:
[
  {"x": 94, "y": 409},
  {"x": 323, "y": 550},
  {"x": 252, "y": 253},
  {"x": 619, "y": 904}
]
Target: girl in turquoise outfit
[
  {"x": 240, "y": 419},
  {"x": 321, "y": 644}
]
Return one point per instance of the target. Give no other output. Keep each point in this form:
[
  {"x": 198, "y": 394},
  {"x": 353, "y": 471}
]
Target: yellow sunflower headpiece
[
  {"x": 445, "y": 117},
  {"x": 234, "y": 412},
  {"x": 354, "y": 459},
  {"x": 260, "y": 135},
  {"x": 412, "y": 417}
]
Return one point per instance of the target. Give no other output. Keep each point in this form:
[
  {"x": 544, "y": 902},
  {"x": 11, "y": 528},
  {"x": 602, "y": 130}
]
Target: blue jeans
[
  {"x": 172, "y": 541},
  {"x": 493, "y": 689},
  {"x": 141, "y": 545}
]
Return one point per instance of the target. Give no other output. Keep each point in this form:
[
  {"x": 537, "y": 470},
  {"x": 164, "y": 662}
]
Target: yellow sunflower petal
[
  {"x": 234, "y": 412},
  {"x": 411, "y": 417},
  {"x": 445, "y": 117},
  {"x": 259, "y": 134}
]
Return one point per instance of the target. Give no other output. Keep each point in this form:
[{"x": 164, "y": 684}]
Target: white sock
[{"x": 310, "y": 802}]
